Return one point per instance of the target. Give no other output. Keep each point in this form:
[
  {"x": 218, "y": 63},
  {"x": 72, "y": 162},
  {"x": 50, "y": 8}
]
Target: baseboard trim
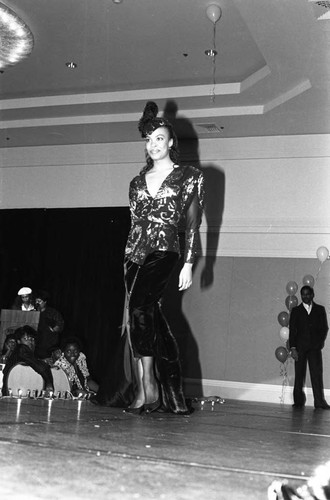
[{"x": 266, "y": 393}]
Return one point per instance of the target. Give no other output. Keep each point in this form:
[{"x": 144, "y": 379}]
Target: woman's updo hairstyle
[{"x": 148, "y": 123}]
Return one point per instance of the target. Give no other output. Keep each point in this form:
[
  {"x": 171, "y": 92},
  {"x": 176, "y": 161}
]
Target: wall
[{"x": 266, "y": 215}]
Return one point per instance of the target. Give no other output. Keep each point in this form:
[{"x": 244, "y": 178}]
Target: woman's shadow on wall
[{"x": 214, "y": 205}]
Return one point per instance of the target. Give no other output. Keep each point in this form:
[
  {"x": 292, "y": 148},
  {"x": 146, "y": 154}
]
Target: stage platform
[{"x": 69, "y": 449}]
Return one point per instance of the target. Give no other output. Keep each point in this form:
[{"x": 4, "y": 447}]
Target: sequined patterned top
[{"x": 154, "y": 221}]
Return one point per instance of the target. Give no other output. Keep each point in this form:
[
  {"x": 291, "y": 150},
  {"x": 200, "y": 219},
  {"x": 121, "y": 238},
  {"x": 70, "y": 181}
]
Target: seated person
[
  {"x": 24, "y": 300},
  {"x": 50, "y": 326},
  {"x": 73, "y": 363},
  {"x": 8, "y": 347},
  {"x": 24, "y": 353}
]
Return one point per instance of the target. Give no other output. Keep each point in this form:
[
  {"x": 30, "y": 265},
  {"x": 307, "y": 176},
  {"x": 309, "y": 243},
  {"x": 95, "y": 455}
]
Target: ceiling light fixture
[
  {"x": 71, "y": 65},
  {"x": 211, "y": 52},
  {"x": 213, "y": 13},
  {"x": 16, "y": 38}
]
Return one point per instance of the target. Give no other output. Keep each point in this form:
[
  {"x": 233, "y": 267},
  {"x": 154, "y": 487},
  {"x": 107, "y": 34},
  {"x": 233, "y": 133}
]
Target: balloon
[
  {"x": 291, "y": 287},
  {"x": 213, "y": 12},
  {"x": 283, "y": 318},
  {"x": 308, "y": 280},
  {"x": 281, "y": 354},
  {"x": 284, "y": 333},
  {"x": 291, "y": 301},
  {"x": 322, "y": 254}
]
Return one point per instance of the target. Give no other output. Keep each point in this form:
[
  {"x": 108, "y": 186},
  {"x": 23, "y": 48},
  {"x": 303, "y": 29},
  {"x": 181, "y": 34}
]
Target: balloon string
[
  {"x": 284, "y": 375},
  {"x": 214, "y": 66},
  {"x": 318, "y": 272}
]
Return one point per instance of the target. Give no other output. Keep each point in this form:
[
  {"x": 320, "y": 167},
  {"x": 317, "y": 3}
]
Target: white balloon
[
  {"x": 284, "y": 333},
  {"x": 213, "y": 12},
  {"x": 322, "y": 254}
]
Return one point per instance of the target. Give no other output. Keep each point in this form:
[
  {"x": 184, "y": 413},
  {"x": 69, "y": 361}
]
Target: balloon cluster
[{"x": 282, "y": 352}]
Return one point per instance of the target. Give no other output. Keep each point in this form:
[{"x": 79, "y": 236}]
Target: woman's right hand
[{"x": 185, "y": 277}]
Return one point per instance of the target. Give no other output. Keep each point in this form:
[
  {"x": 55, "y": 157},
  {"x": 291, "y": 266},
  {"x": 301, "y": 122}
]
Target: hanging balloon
[
  {"x": 213, "y": 12},
  {"x": 283, "y": 318},
  {"x": 281, "y": 354},
  {"x": 291, "y": 287},
  {"x": 322, "y": 254},
  {"x": 284, "y": 333},
  {"x": 291, "y": 301},
  {"x": 308, "y": 280}
]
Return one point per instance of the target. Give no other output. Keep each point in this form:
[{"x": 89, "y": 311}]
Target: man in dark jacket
[{"x": 308, "y": 330}]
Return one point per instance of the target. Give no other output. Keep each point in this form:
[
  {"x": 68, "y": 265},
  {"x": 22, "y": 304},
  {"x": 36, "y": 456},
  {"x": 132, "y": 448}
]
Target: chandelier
[{"x": 16, "y": 38}]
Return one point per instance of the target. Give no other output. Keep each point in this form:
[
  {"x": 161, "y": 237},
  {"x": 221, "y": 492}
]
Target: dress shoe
[
  {"x": 323, "y": 406},
  {"x": 298, "y": 407},
  {"x": 150, "y": 407},
  {"x": 134, "y": 411}
]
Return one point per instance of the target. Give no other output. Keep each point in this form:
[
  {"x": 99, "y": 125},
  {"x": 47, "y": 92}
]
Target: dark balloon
[
  {"x": 291, "y": 287},
  {"x": 291, "y": 301},
  {"x": 283, "y": 318},
  {"x": 281, "y": 354},
  {"x": 308, "y": 280}
]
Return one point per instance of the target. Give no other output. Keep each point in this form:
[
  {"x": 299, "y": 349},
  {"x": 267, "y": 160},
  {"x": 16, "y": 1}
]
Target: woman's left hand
[{"x": 185, "y": 277}]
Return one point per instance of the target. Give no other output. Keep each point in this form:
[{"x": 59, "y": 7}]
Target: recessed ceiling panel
[{"x": 132, "y": 45}]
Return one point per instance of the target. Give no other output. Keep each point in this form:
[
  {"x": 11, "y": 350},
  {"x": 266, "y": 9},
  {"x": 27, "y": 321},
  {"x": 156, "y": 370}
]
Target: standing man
[
  {"x": 308, "y": 331},
  {"x": 50, "y": 326}
]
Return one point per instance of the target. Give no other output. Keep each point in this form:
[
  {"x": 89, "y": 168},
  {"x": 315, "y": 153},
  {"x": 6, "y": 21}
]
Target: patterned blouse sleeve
[
  {"x": 132, "y": 191},
  {"x": 194, "y": 218}
]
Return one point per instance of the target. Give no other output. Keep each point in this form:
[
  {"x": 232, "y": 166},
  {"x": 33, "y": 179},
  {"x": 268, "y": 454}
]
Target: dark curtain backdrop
[{"x": 77, "y": 256}]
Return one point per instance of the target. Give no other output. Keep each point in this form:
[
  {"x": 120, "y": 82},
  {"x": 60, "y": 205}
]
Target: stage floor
[{"x": 64, "y": 449}]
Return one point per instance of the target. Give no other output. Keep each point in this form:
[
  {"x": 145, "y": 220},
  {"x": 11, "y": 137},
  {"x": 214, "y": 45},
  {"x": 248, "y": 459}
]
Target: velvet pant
[{"x": 149, "y": 332}]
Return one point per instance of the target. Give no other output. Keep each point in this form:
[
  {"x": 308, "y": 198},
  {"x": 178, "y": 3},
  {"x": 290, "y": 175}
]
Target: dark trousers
[
  {"x": 314, "y": 359},
  {"x": 149, "y": 331}
]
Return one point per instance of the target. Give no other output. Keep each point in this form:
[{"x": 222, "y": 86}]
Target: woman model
[
  {"x": 148, "y": 377},
  {"x": 160, "y": 196}
]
